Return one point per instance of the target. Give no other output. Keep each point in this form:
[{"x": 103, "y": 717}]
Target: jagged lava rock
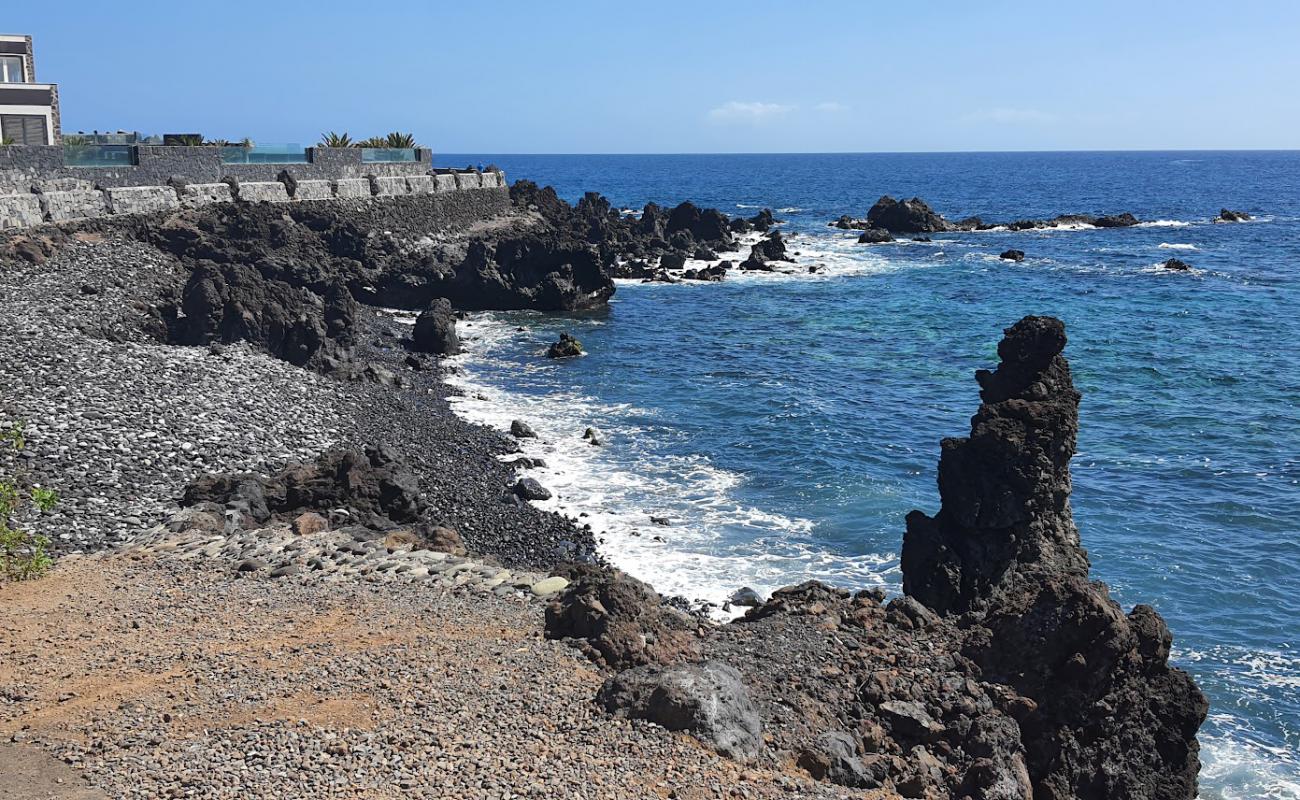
[
  {"x": 1109, "y": 717},
  {"x": 906, "y": 216},
  {"x": 619, "y": 621},
  {"x": 374, "y": 486}
]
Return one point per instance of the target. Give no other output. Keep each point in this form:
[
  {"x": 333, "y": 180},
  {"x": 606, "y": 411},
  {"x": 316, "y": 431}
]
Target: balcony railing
[
  {"x": 388, "y": 155},
  {"x": 98, "y": 155},
  {"x": 265, "y": 154}
]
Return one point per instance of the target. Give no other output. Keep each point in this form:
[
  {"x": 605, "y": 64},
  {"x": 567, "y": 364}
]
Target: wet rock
[
  {"x": 1228, "y": 215},
  {"x": 1013, "y": 255},
  {"x": 530, "y": 489},
  {"x": 522, "y": 430},
  {"x": 709, "y": 700},
  {"x": 1177, "y": 265},
  {"x": 764, "y": 253},
  {"x": 566, "y": 347},
  {"x": 745, "y": 596},
  {"x": 594, "y": 437},
  {"x": 1125, "y": 220},
  {"x": 875, "y": 236},
  {"x": 906, "y": 216}
]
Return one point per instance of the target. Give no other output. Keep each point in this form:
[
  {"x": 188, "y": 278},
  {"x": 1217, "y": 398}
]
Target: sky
[{"x": 578, "y": 76}]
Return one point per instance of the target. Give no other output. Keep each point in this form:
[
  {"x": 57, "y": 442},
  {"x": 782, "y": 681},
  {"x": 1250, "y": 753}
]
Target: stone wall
[
  {"x": 22, "y": 166},
  {"x": 53, "y": 197}
]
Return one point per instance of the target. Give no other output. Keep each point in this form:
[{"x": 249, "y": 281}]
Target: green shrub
[
  {"x": 400, "y": 140},
  {"x": 333, "y": 139},
  {"x": 23, "y": 555}
]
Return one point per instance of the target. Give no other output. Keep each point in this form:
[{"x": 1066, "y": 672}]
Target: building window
[
  {"x": 11, "y": 69},
  {"x": 24, "y": 129}
]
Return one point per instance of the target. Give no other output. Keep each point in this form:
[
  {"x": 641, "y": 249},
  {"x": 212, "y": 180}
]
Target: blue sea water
[{"x": 787, "y": 423}]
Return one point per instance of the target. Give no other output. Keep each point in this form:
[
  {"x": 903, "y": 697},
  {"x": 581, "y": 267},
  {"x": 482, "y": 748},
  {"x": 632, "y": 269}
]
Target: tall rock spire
[
  {"x": 1108, "y": 718},
  {"x": 1005, "y": 489}
]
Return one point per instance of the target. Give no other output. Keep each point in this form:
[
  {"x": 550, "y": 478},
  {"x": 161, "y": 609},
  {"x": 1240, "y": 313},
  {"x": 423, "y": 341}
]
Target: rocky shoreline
[{"x": 241, "y": 361}]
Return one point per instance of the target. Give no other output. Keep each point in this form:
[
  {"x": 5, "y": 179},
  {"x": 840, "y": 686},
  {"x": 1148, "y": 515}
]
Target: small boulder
[
  {"x": 549, "y": 586},
  {"x": 566, "y": 347},
  {"x": 909, "y": 720},
  {"x": 672, "y": 260},
  {"x": 709, "y": 700},
  {"x": 435, "y": 330},
  {"x": 875, "y": 236},
  {"x": 745, "y": 596},
  {"x": 1228, "y": 215},
  {"x": 445, "y": 540},
  {"x": 1013, "y": 255},
  {"x": 522, "y": 430},
  {"x": 593, "y": 436},
  {"x": 1177, "y": 265},
  {"x": 618, "y": 620},
  {"x": 310, "y": 523},
  {"x": 530, "y": 489}
]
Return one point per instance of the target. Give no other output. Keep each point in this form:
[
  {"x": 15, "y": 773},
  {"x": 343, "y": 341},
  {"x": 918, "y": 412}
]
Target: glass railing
[
  {"x": 98, "y": 155},
  {"x": 388, "y": 154},
  {"x": 265, "y": 154}
]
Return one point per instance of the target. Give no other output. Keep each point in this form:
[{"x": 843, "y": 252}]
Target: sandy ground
[{"x": 142, "y": 676}]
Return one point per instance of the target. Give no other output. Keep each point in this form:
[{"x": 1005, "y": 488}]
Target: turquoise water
[{"x": 787, "y": 423}]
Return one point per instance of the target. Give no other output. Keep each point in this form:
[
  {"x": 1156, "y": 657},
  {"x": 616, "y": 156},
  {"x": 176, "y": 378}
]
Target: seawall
[{"x": 32, "y": 198}]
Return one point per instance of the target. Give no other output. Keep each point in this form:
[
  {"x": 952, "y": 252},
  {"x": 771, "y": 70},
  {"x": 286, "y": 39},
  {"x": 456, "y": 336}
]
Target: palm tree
[
  {"x": 333, "y": 139},
  {"x": 404, "y": 141}
]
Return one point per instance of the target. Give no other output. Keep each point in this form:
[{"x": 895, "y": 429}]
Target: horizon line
[{"x": 872, "y": 152}]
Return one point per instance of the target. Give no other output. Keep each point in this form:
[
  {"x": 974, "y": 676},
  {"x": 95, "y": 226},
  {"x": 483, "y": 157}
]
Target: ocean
[{"x": 784, "y": 424}]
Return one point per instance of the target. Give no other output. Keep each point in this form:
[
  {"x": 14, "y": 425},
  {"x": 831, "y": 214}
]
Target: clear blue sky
[{"x": 578, "y": 76}]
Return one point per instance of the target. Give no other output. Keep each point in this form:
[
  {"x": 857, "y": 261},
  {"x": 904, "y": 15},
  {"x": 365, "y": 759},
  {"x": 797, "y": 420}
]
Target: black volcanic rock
[
  {"x": 1177, "y": 265},
  {"x": 375, "y": 486},
  {"x": 704, "y": 225},
  {"x": 1106, "y": 716},
  {"x": 1125, "y": 220},
  {"x": 766, "y": 251},
  {"x": 1013, "y": 255},
  {"x": 763, "y": 221},
  {"x": 1005, "y": 489},
  {"x": 875, "y": 236},
  {"x": 1228, "y": 215},
  {"x": 233, "y": 302},
  {"x": 566, "y": 347},
  {"x": 435, "y": 330},
  {"x": 907, "y": 216}
]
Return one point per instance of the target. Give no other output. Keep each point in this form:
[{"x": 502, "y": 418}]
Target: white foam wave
[
  {"x": 1164, "y": 223},
  {"x": 1175, "y": 246},
  {"x": 714, "y": 544},
  {"x": 1234, "y": 767}
]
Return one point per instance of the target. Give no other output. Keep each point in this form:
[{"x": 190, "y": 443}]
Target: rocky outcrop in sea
[
  {"x": 1002, "y": 672},
  {"x": 915, "y": 216}
]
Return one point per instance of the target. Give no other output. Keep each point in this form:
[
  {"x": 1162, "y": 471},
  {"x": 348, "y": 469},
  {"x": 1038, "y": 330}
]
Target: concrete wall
[{"x": 56, "y": 196}]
